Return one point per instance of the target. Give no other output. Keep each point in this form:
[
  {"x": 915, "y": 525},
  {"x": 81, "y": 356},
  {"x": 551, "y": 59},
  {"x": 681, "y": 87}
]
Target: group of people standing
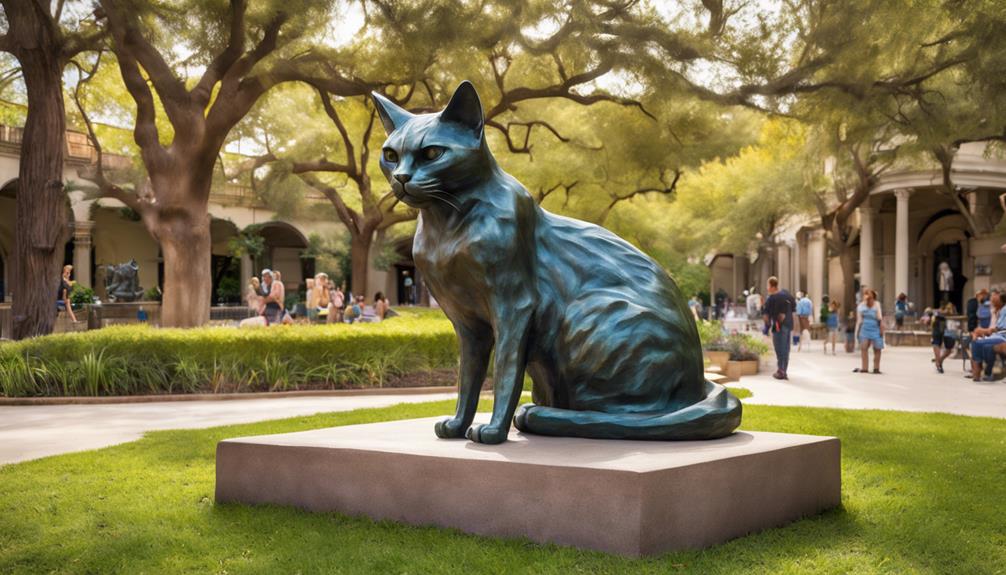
[
  {"x": 866, "y": 326},
  {"x": 325, "y": 302},
  {"x": 268, "y": 298}
]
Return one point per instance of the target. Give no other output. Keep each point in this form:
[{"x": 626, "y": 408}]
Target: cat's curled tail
[{"x": 718, "y": 415}]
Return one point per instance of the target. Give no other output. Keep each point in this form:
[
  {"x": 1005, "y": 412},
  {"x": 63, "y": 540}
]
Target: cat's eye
[
  {"x": 433, "y": 152},
  {"x": 390, "y": 156}
]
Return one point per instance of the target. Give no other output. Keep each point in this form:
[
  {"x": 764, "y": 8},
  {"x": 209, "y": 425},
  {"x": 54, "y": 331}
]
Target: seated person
[
  {"x": 986, "y": 342},
  {"x": 354, "y": 311}
]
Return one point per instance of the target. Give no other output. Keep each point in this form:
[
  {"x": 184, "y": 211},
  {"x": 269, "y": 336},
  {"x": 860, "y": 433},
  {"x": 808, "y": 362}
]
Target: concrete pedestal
[{"x": 627, "y": 497}]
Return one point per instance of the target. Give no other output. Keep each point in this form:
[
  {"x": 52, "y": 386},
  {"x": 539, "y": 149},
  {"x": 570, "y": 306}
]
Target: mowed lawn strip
[{"x": 922, "y": 493}]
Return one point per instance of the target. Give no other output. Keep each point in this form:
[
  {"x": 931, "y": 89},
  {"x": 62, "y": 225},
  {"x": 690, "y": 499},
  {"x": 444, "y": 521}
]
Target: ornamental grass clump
[{"x": 140, "y": 359}]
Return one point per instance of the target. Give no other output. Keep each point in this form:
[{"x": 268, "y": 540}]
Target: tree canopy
[{"x": 686, "y": 127}]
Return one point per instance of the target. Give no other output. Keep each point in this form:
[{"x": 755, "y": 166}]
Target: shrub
[
  {"x": 139, "y": 359},
  {"x": 744, "y": 347},
  {"x": 711, "y": 335},
  {"x": 81, "y": 295}
]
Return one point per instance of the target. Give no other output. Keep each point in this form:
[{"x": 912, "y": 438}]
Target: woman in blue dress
[{"x": 869, "y": 330}]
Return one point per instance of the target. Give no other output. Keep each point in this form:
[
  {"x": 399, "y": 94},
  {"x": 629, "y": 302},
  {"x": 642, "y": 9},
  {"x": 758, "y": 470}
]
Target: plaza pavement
[
  {"x": 909, "y": 382},
  {"x": 33, "y": 431}
]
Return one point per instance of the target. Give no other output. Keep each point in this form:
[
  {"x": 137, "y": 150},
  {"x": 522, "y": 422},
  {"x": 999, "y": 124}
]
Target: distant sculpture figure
[
  {"x": 122, "y": 282},
  {"x": 600, "y": 327},
  {"x": 945, "y": 279}
]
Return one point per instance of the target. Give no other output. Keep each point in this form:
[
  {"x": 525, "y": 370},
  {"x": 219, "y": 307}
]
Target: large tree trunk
[
  {"x": 185, "y": 242},
  {"x": 846, "y": 260},
  {"x": 41, "y": 215},
  {"x": 359, "y": 254}
]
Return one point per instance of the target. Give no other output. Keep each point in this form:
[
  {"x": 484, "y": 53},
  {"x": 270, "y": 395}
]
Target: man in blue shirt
[
  {"x": 778, "y": 312},
  {"x": 985, "y": 341},
  {"x": 804, "y": 311}
]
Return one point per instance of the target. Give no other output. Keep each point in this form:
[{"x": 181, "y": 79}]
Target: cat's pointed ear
[
  {"x": 465, "y": 108},
  {"x": 392, "y": 115}
]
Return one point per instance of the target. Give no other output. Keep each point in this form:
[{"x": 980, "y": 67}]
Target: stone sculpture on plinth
[
  {"x": 614, "y": 354},
  {"x": 600, "y": 327},
  {"x": 122, "y": 283}
]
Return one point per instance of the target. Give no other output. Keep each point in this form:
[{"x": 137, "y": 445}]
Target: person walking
[
  {"x": 778, "y": 315},
  {"x": 869, "y": 331},
  {"x": 63, "y": 302},
  {"x": 804, "y": 311},
  {"x": 943, "y": 344},
  {"x": 833, "y": 326},
  {"x": 753, "y": 304}
]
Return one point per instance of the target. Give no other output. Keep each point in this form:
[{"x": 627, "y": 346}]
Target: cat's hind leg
[
  {"x": 718, "y": 415},
  {"x": 476, "y": 345}
]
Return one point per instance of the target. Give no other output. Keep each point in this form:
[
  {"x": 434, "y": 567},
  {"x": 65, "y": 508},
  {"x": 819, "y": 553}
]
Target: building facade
[
  {"x": 913, "y": 239},
  {"x": 104, "y": 231}
]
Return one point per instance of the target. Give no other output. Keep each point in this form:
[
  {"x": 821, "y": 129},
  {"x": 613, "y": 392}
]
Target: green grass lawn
[{"x": 922, "y": 493}]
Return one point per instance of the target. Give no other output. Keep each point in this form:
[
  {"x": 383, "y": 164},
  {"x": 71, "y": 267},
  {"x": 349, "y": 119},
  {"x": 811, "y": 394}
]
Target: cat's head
[{"x": 432, "y": 159}]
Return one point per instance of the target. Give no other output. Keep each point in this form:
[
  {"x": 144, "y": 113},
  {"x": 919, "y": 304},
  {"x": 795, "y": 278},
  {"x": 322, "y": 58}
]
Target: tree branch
[
  {"x": 349, "y": 217},
  {"x": 668, "y": 189},
  {"x": 525, "y": 147},
  {"x": 96, "y": 173},
  {"x": 130, "y": 43},
  {"x": 225, "y": 59},
  {"x": 326, "y": 103},
  {"x": 323, "y": 165}
]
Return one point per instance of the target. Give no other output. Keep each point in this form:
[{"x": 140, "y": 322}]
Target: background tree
[
  {"x": 43, "y": 38},
  {"x": 245, "y": 51}
]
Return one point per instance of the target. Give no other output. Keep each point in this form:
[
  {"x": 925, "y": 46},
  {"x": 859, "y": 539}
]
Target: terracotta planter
[
  {"x": 735, "y": 369},
  {"x": 719, "y": 358}
]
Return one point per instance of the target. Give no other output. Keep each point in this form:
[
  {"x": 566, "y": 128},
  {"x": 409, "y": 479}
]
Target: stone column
[
  {"x": 82, "y": 252},
  {"x": 815, "y": 264},
  {"x": 246, "y": 273},
  {"x": 901, "y": 243},
  {"x": 793, "y": 275},
  {"x": 866, "y": 213},
  {"x": 782, "y": 265}
]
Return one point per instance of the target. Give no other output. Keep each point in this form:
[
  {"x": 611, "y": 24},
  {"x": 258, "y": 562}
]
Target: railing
[
  {"x": 79, "y": 148},
  {"x": 11, "y": 135}
]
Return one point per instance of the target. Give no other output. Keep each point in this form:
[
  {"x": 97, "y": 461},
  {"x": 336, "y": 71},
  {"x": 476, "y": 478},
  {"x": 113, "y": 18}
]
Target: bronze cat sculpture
[{"x": 600, "y": 327}]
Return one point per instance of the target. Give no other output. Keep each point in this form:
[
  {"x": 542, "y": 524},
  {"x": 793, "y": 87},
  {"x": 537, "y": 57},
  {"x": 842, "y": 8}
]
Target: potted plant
[
  {"x": 714, "y": 344},
  {"x": 81, "y": 296},
  {"x": 745, "y": 354}
]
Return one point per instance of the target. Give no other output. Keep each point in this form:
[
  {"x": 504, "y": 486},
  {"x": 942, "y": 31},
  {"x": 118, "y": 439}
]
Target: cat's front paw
[
  {"x": 452, "y": 428},
  {"x": 488, "y": 434}
]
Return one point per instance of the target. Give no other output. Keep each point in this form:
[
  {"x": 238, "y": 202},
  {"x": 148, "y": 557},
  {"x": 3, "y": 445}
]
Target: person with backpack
[{"x": 778, "y": 315}]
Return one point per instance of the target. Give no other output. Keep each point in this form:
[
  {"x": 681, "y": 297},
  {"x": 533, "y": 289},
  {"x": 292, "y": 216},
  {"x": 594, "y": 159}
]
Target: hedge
[{"x": 127, "y": 360}]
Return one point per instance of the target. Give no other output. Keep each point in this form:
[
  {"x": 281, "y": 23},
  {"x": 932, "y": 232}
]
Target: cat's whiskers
[{"x": 445, "y": 198}]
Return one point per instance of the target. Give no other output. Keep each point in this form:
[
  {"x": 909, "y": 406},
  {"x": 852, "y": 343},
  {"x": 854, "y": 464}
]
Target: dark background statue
[
  {"x": 122, "y": 282},
  {"x": 601, "y": 328}
]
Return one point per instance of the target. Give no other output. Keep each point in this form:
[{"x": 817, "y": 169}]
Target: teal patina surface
[{"x": 600, "y": 327}]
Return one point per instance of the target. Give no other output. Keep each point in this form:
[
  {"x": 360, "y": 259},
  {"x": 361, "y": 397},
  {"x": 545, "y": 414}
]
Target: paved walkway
[
  {"x": 30, "y": 432},
  {"x": 909, "y": 383}
]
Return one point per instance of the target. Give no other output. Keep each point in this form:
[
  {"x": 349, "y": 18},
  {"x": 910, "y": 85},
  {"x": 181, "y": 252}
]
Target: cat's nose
[{"x": 403, "y": 178}]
